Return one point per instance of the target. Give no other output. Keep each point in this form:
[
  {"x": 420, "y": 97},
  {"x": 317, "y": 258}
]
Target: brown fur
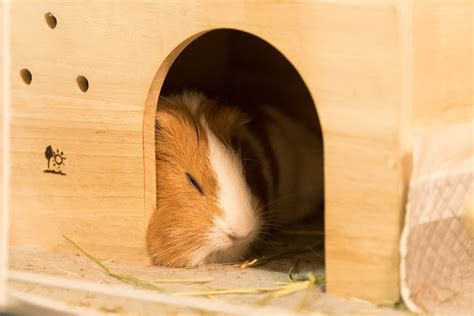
[{"x": 183, "y": 216}]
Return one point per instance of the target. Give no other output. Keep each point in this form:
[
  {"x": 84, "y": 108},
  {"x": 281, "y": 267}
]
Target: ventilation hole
[
  {"x": 83, "y": 83},
  {"x": 26, "y": 76},
  {"x": 50, "y": 20}
]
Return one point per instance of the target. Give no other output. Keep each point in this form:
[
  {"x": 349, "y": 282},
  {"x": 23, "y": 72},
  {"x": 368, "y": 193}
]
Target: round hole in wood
[
  {"x": 82, "y": 83},
  {"x": 26, "y": 76},
  {"x": 51, "y": 20}
]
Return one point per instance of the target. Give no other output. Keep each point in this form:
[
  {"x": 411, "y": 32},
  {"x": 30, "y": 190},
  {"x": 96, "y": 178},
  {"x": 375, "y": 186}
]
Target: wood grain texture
[
  {"x": 443, "y": 71},
  {"x": 349, "y": 54},
  {"x": 3, "y": 235}
]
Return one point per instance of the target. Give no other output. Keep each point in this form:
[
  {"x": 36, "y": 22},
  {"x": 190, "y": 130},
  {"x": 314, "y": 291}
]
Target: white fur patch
[
  {"x": 234, "y": 195},
  {"x": 237, "y": 202}
]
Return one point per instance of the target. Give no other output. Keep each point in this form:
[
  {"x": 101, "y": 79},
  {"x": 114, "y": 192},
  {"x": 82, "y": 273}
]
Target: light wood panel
[
  {"x": 3, "y": 252},
  {"x": 443, "y": 88},
  {"x": 351, "y": 55}
]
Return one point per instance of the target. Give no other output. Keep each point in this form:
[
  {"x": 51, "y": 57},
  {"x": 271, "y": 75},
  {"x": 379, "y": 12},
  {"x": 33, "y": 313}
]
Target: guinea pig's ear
[
  {"x": 227, "y": 121},
  {"x": 233, "y": 119}
]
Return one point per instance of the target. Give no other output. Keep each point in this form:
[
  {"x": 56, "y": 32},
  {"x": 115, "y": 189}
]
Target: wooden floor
[{"x": 89, "y": 277}]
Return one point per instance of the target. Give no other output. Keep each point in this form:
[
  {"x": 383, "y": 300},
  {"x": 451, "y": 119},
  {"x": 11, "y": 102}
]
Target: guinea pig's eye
[{"x": 194, "y": 183}]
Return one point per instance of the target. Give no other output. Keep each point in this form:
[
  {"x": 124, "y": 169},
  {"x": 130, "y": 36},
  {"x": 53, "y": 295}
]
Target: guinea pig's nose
[{"x": 235, "y": 237}]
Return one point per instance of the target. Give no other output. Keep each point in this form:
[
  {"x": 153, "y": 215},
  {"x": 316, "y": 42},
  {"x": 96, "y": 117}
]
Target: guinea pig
[{"x": 224, "y": 177}]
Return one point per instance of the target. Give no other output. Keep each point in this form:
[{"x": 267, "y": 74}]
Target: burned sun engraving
[{"x": 56, "y": 161}]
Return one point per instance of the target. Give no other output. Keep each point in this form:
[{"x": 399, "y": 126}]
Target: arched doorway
[{"x": 239, "y": 69}]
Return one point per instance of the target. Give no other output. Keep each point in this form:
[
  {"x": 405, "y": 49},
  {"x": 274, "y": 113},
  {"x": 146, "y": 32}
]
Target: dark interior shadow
[{"x": 243, "y": 70}]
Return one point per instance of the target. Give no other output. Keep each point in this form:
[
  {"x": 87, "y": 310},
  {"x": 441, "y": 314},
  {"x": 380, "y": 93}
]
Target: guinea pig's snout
[{"x": 234, "y": 237}]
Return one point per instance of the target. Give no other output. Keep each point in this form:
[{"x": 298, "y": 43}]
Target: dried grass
[
  {"x": 265, "y": 259},
  {"x": 294, "y": 285},
  {"x": 130, "y": 278}
]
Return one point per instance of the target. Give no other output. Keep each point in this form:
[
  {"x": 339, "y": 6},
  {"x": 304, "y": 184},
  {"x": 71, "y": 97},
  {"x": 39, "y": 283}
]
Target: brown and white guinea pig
[{"x": 223, "y": 177}]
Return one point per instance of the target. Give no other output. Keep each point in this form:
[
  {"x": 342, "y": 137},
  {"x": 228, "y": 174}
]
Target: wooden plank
[
  {"x": 444, "y": 64},
  {"x": 3, "y": 171},
  {"x": 350, "y": 55}
]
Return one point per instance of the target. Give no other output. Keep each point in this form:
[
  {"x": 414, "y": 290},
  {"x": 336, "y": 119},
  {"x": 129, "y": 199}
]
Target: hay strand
[
  {"x": 229, "y": 291},
  {"x": 183, "y": 281},
  {"x": 272, "y": 292},
  {"x": 130, "y": 278},
  {"x": 309, "y": 289},
  {"x": 264, "y": 259}
]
